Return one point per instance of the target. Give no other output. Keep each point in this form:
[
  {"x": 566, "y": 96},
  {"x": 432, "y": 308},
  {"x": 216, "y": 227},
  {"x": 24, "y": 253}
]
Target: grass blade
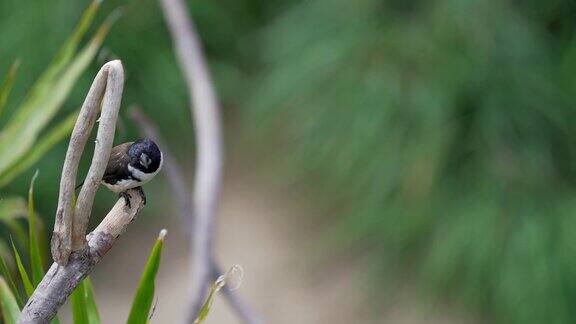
[
  {"x": 79, "y": 309},
  {"x": 145, "y": 293},
  {"x": 5, "y": 272},
  {"x": 28, "y": 287},
  {"x": 47, "y": 142},
  {"x": 93, "y": 314},
  {"x": 6, "y": 86},
  {"x": 234, "y": 274},
  {"x": 84, "y": 309},
  {"x": 33, "y": 247},
  {"x": 66, "y": 53},
  {"x": 60, "y": 61},
  {"x": 22, "y": 131},
  {"x": 12, "y": 208},
  {"x": 8, "y": 304}
]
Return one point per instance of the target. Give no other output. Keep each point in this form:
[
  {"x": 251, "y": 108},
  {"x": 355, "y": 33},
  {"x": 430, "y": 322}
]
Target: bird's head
[{"x": 145, "y": 156}]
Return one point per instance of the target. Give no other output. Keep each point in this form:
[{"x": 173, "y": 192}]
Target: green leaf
[
  {"x": 34, "y": 248},
  {"x": 235, "y": 273},
  {"x": 5, "y": 272},
  {"x": 28, "y": 287},
  {"x": 52, "y": 137},
  {"x": 145, "y": 293},
  {"x": 8, "y": 303},
  {"x": 61, "y": 59},
  {"x": 205, "y": 310},
  {"x": 6, "y": 86},
  {"x": 93, "y": 314},
  {"x": 12, "y": 208},
  {"x": 44, "y": 101},
  {"x": 79, "y": 309},
  {"x": 43, "y": 241},
  {"x": 65, "y": 54},
  {"x": 84, "y": 309}
]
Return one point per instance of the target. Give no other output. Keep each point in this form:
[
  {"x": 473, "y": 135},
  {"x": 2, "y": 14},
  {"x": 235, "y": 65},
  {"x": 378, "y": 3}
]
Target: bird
[{"x": 131, "y": 165}]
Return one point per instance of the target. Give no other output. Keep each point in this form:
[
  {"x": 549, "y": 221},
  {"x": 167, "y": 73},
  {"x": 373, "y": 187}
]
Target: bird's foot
[
  {"x": 127, "y": 197},
  {"x": 142, "y": 194}
]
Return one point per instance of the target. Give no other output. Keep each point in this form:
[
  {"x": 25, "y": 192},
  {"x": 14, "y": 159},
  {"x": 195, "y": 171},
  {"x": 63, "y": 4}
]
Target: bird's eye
[{"x": 145, "y": 160}]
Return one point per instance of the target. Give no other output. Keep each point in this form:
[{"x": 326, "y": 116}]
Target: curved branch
[
  {"x": 75, "y": 254},
  {"x": 206, "y": 117},
  {"x": 70, "y": 224}
]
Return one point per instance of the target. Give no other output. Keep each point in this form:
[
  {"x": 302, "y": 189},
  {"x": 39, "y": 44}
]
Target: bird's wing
[{"x": 117, "y": 167}]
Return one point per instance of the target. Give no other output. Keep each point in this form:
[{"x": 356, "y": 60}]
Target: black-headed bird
[{"x": 131, "y": 165}]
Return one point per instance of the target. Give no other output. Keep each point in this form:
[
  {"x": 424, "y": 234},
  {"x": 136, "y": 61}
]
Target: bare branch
[
  {"x": 76, "y": 255},
  {"x": 108, "y": 83},
  {"x": 178, "y": 187},
  {"x": 60, "y": 281},
  {"x": 206, "y": 116},
  {"x": 104, "y": 142}
]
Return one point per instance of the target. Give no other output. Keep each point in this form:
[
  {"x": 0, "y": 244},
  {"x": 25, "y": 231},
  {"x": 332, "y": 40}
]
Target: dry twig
[
  {"x": 70, "y": 224},
  {"x": 74, "y": 253},
  {"x": 181, "y": 193},
  {"x": 206, "y": 116}
]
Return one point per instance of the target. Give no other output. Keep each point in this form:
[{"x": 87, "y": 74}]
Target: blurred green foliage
[
  {"x": 140, "y": 39},
  {"x": 443, "y": 132},
  {"x": 446, "y": 131},
  {"x": 8, "y": 304}
]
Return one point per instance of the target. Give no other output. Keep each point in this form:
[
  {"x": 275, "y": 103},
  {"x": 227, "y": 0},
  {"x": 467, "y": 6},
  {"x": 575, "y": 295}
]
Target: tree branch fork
[{"x": 75, "y": 253}]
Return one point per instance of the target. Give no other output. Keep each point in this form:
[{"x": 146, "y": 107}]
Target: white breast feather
[{"x": 124, "y": 185}]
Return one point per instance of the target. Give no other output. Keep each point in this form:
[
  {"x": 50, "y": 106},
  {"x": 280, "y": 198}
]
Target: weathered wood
[
  {"x": 61, "y": 280},
  {"x": 70, "y": 222}
]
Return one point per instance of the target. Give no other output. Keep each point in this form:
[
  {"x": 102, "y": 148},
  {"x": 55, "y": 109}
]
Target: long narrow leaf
[
  {"x": 47, "y": 142},
  {"x": 6, "y": 86},
  {"x": 84, "y": 309},
  {"x": 28, "y": 287},
  {"x": 42, "y": 241},
  {"x": 79, "y": 308},
  {"x": 65, "y": 54},
  {"x": 34, "y": 243},
  {"x": 234, "y": 274},
  {"x": 37, "y": 111},
  {"x": 8, "y": 304},
  {"x": 11, "y": 209},
  {"x": 42, "y": 86},
  {"x": 93, "y": 314},
  {"x": 5, "y": 272},
  {"x": 34, "y": 248},
  {"x": 145, "y": 293}
]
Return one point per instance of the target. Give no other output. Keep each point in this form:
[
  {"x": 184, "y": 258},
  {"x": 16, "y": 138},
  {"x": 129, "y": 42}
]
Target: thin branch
[
  {"x": 70, "y": 225},
  {"x": 179, "y": 189},
  {"x": 104, "y": 141},
  {"x": 206, "y": 116},
  {"x": 60, "y": 281}
]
